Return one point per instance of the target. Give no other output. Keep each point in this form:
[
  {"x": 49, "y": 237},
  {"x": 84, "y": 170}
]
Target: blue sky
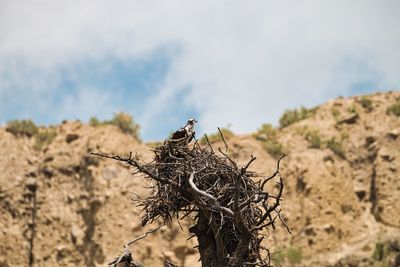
[{"x": 225, "y": 62}]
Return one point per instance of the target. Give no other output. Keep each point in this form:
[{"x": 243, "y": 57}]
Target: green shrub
[
  {"x": 312, "y": 136},
  {"x": 344, "y": 135},
  {"x": 93, "y": 121},
  {"x": 22, "y": 128},
  {"x": 122, "y": 120},
  {"x": 394, "y": 109},
  {"x": 379, "y": 252},
  {"x": 291, "y": 116},
  {"x": 214, "y": 137},
  {"x": 294, "y": 255},
  {"x": 268, "y": 135},
  {"x": 278, "y": 257},
  {"x": 125, "y": 122},
  {"x": 366, "y": 103},
  {"x": 44, "y": 137},
  {"x": 273, "y": 147},
  {"x": 265, "y": 132},
  {"x": 335, "y": 112},
  {"x": 352, "y": 109},
  {"x": 336, "y": 147}
]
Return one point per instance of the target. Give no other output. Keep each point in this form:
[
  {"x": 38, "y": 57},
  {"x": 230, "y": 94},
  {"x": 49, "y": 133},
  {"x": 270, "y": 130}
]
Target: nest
[{"x": 227, "y": 201}]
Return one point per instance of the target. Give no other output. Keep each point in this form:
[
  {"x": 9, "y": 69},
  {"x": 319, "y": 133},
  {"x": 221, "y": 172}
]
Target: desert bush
[
  {"x": 278, "y": 257},
  {"x": 352, "y": 109},
  {"x": 336, "y": 147},
  {"x": 394, "y": 109},
  {"x": 379, "y": 252},
  {"x": 265, "y": 132},
  {"x": 312, "y": 136},
  {"x": 122, "y": 120},
  {"x": 273, "y": 147},
  {"x": 344, "y": 135},
  {"x": 214, "y": 137},
  {"x": 44, "y": 137},
  {"x": 366, "y": 103},
  {"x": 125, "y": 122},
  {"x": 22, "y": 128},
  {"x": 335, "y": 112},
  {"x": 291, "y": 116},
  {"x": 294, "y": 255},
  {"x": 94, "y": 121},
  {"x": 268, "y": 135}
]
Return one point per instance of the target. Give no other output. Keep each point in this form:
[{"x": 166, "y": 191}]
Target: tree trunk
[{"x": 207, "y": 243}]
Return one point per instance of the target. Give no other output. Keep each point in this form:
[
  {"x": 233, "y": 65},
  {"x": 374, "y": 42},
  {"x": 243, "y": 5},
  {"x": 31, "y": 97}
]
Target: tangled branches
[{"x": 229, "y": 202}]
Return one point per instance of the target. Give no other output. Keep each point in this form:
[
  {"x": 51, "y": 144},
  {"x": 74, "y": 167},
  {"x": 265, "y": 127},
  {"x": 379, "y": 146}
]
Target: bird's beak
[{"x": 195, "y": 121}]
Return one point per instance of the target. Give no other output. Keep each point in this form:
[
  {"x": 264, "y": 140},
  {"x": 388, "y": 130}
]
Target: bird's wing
[{"x": 179, "y": 134}]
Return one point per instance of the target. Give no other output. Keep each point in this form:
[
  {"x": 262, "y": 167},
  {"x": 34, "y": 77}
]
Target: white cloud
[{"x": 241, "y": 62}]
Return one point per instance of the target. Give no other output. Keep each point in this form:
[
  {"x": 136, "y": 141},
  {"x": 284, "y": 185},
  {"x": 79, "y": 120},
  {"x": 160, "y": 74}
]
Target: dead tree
[{"x": 229, "y": 203}]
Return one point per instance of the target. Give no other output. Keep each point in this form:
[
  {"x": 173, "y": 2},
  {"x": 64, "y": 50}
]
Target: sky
[{"x": 236, "y": 63}]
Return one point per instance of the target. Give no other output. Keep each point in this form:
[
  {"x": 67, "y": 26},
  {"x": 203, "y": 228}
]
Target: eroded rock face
[
  {"x": 386, "y": 204},
  {"x": 61, "y": 207},
  {"x": 16, "y": 200},
  {"x": 338, "y": 207}
]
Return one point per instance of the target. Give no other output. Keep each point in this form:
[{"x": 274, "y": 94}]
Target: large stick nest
[{"x": 198, "y": 181}]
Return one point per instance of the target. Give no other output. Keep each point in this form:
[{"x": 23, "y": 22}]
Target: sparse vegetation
[
  {"x": 335, "y": 112},
  {"x": 274, "y": 148},
  {"x": 379, "y": 252},
  {"x": 125, "y": 122},
  {"x": 294, "y": 255},
  {"x": 366, "y": 103},
  {"x": 217, "y": 136},
  {"x": 266, "y": 132},
  {"x": 352, "y": 109},
  {"x": 22, "y": 128},
  {"x": 394, "y": 109},
  {"x": 336, "y": 147},
  {"x": 311, "y": 135},
  {"x": 44, "y": 137},
  {"x": 267, "y": 135},
  {"x": 122, "y": 120},
  {"x": 313, "y": 138},
  {"x": 344, "y": 135},
  {"x": 94, "y": 121},
  {"x": 278, "y": 257},
  {"x": 291, "y": 116}
]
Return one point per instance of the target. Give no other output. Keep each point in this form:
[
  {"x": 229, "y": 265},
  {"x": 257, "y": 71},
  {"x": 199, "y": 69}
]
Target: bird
[{"x": 185, "y": 134}]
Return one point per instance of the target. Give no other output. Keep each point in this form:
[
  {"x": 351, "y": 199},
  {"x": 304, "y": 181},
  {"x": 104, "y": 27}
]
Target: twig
[
  {"x": 208, "y": 196},
  {"x": 127, "y": 245},
  {"x": 275, "y": 173},
  {"x": 223, "y": 139},
  {"x": 135, "y": 164}
]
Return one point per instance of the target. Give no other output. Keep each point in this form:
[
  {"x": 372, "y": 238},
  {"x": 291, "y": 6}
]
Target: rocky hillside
[{"x": 61, "y": 207}]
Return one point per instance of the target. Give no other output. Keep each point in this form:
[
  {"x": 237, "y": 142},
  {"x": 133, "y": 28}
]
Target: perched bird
[{"x": 185, "y": 134}]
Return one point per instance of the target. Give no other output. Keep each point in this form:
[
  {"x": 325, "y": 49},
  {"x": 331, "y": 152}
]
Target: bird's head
[{"x": 191, "y": 121}]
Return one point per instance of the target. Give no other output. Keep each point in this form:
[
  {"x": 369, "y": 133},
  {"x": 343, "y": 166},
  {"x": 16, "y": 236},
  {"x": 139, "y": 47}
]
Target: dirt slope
[{"x": 61, "y": 207}]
